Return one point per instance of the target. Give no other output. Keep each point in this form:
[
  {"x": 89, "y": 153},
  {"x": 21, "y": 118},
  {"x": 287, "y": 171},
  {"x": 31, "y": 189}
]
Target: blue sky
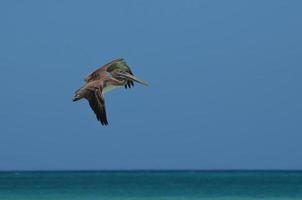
[{"x": 225, "y": 84}]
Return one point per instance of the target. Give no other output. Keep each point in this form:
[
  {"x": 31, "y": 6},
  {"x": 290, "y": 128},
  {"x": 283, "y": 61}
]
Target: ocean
[{"x": 151, "y": 185}]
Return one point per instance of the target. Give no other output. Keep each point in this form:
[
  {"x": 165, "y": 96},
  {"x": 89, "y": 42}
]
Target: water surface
[{"x": 151, "y": 185}]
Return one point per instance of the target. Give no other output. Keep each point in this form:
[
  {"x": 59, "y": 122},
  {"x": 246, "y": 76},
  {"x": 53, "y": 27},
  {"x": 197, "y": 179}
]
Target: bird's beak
[
  {"x": 75, "y": 98},
  {"x": 133, "y": 78}
]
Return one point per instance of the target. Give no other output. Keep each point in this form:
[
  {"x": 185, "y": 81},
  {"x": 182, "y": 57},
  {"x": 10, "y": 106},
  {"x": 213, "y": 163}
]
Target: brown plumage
[
  {"x": 108, "y": 77},
  {"x": 109, "y": 68}
]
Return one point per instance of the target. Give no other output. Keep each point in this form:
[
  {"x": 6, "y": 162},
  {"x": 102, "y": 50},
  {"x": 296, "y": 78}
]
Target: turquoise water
[{"x": 151, "y": 185}]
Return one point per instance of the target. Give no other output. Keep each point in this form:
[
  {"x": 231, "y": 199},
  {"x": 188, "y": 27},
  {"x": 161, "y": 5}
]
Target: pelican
[{"x": 113, "y": 75}]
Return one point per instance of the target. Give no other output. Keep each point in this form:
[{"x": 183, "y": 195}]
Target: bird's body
[
  {"x": 108, "y": 77},
  {"x": 110, "y": 88}
]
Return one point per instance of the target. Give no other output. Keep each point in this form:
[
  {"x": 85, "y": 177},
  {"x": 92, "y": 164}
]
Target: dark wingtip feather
[
  {"x": 98, "y": 106},
  {"x": 129, "y": 84}
]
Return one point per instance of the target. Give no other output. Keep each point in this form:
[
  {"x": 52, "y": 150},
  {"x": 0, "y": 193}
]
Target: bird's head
[{"x": 78, "y": 95}]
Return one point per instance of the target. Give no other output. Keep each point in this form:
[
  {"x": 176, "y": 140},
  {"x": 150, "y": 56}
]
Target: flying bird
[{"x": 113, "y": 75}]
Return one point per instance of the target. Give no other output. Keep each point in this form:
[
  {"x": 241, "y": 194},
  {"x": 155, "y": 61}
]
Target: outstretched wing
[
  {"x": 97, "y": 74},
  {"x": 118, "y": 64},
  {"x": 97, "y": 104},
  {"x": 121, "y": 65}
]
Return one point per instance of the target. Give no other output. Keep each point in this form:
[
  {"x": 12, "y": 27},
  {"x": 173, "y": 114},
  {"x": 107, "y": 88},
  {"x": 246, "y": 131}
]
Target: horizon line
[{"x": 145, "y": 170}]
